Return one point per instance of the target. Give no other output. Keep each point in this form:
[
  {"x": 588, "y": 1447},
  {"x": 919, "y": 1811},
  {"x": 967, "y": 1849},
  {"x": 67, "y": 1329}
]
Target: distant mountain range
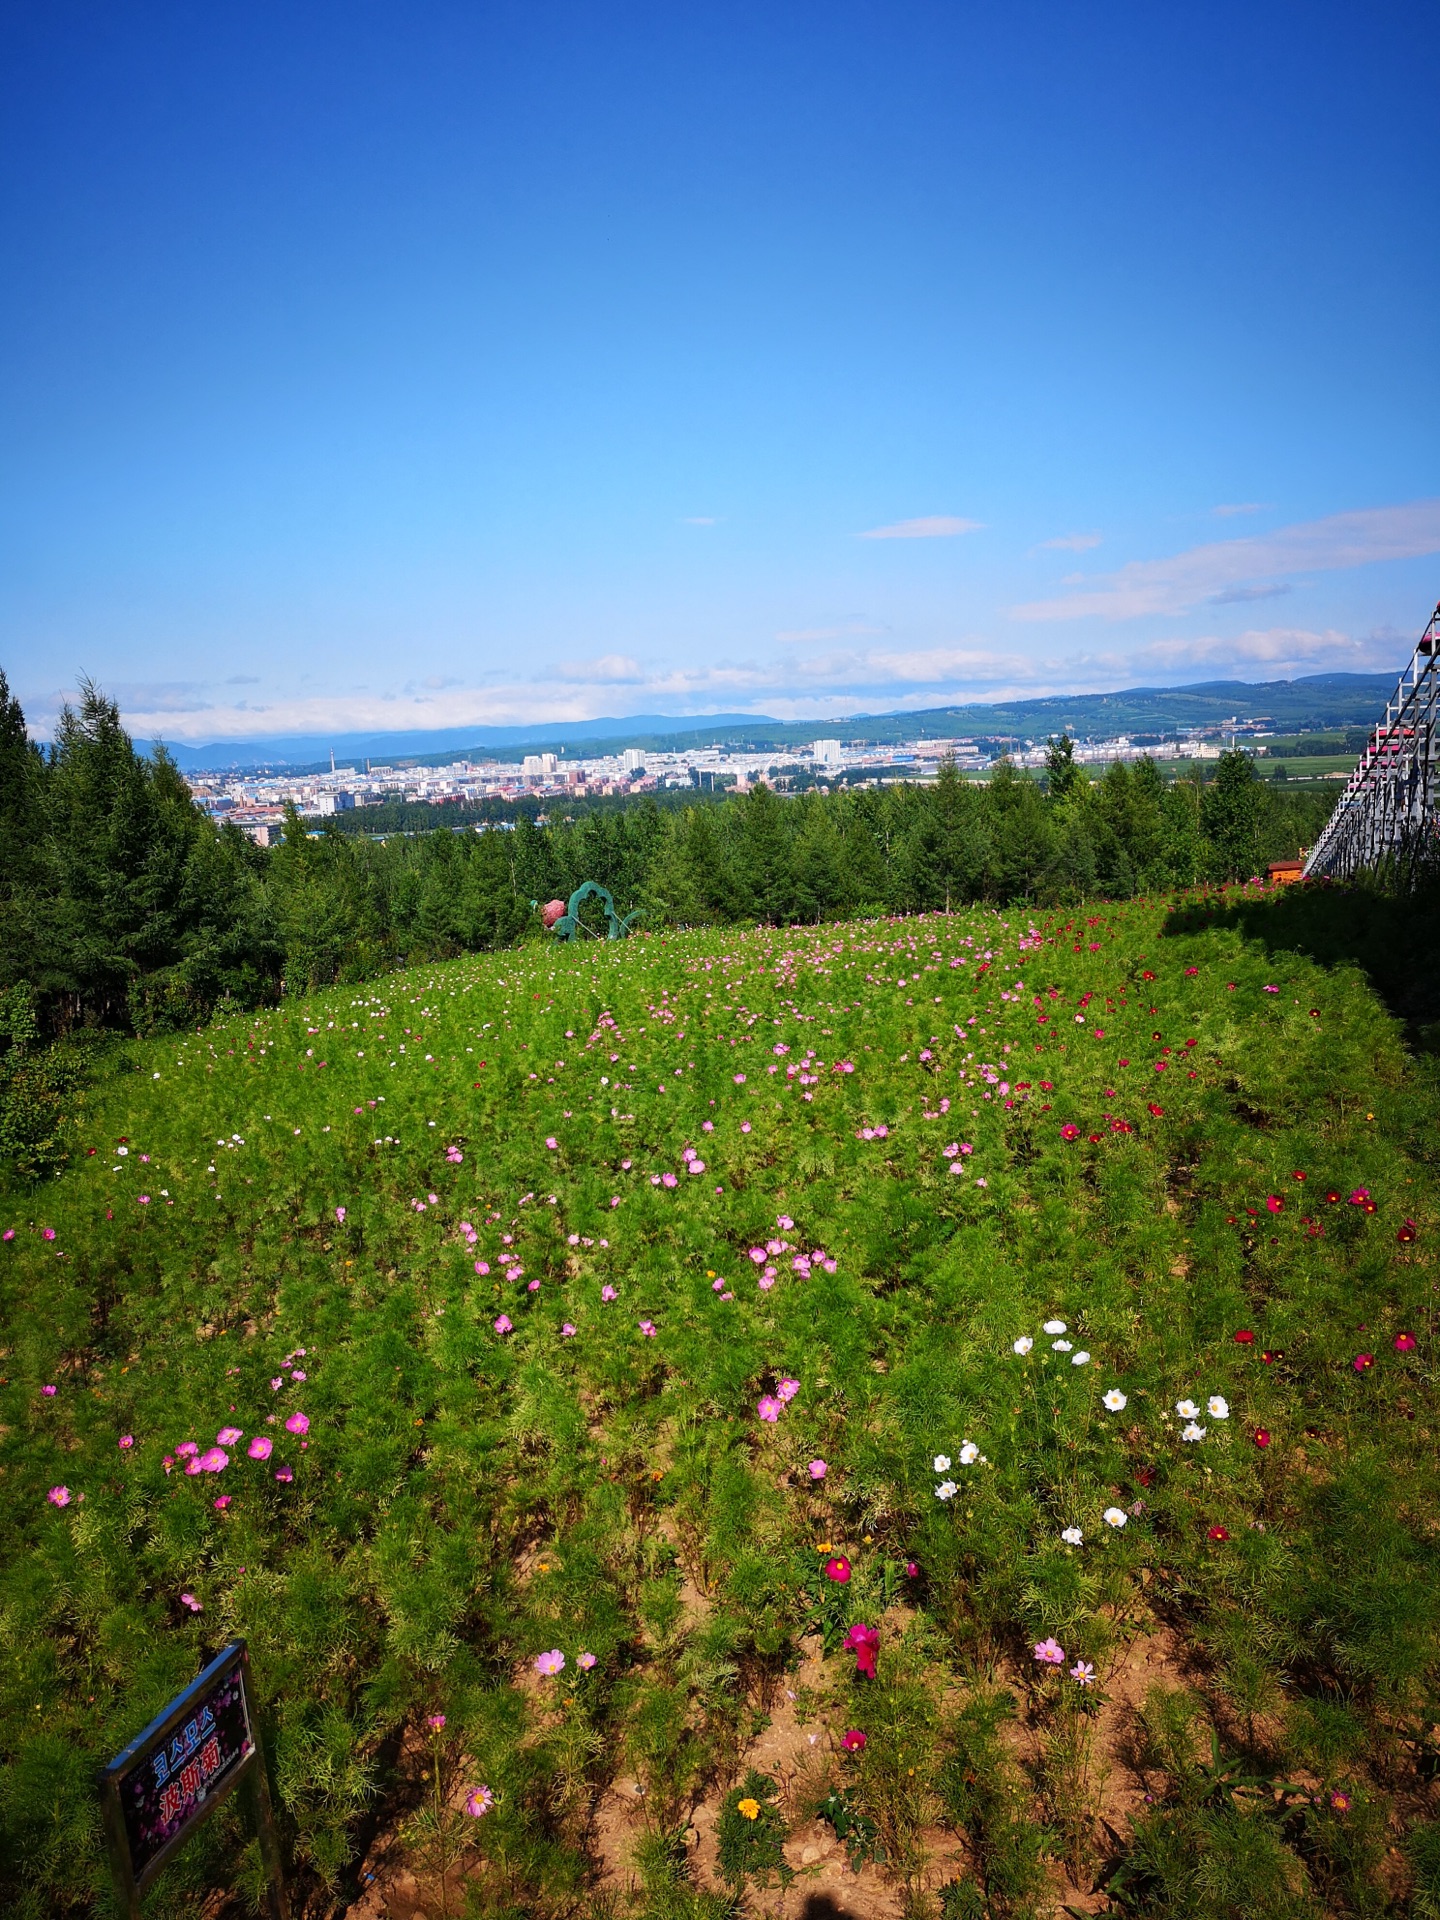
[{"x": 1314, "y": 703}]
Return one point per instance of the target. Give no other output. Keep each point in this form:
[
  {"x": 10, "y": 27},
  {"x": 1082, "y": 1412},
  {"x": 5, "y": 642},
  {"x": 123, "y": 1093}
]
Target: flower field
[{"x": 932, "y": 1414}]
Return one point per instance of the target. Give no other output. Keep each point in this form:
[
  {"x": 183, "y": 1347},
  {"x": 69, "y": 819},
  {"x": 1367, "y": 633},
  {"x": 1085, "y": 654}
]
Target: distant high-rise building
[
  {"x": 539, "y": 763},
  {"x": 632, "y": 760},
  {"x": 826, "y": 753}
]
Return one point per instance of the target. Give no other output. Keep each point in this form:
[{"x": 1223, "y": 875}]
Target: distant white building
[
  {"x": 539, "y": 763},
  {"x": 826, "y": 753},
  {"x": 632, "y": 760}
]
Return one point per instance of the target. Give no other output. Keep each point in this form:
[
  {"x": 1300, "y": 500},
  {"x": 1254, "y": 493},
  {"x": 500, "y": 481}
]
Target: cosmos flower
[
  {"x": 59, "y": 1496},
  {"x": 1050, "y": 1653},
  {"x": 818, "y": 1469},
  {"x": 837, "y": 1568},
  {"x": 941, "y": 1463},
  {"x": 1055, "y": 1326},
  {"x": 1115, "y": 1517},
  {"x": 260, "y": 1448},
  {"x": 1083, "y": 1673},
  {"x": 1187, "y": 1409},
  {"x": 1072, "y": 1536},
  {"x": 549, "y": 1663},
  {"x": 1023, "y": 1344},
  {"x": 1115, "y": 1400},
  {"x": 479, "y": 1802},
  {"x": 946, "y": 1490},
  {"x": 1218, "y": 1407},
  {"x": 1193, "y": 1432}
]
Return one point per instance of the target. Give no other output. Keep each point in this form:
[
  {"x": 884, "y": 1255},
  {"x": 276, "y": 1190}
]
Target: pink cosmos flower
[
  {"x": 787, "y": 1390},
  {"x": 504, "y": 1324},
  {"x": 585, "y": 1661},
  {"x": 277, "y": 1383},
  {"x": 567, "y": 1332},
  {"x": 482, "y": 1266},
  {"x": 607, "y": 1292},
  {"x": 552, "y": 1143},
  {"x": 284, "y": 1473},
  {"x": 647, "y": 1327},
  {"x": 298, "y": 1423},
  {"x": 837, "y": 1568},
  {"x": 479, "y": 1802},
  {"x": 1050, "y": 1653},
  {"x": 260, "y": 1448},
  {"x": 213, "y": 1460},
  {"x": 818, "y": 1469},
  {"x": 1070, "y": 1131},
  {"x": 1363, "y": 1362},
  {"x": 49, "y": 1392},
  {"x": 126, "y": 1440},
  {"x": 549, "y": 1663},
  {"x": 227, "y": 1436},
  {"x": 768, "y": 1407},
  {"x": 1083, "y": 1673},
  {"x": 1404, "y": 1343},
  {"x": 59, "y": 1496},
  {"x": 220, "y": 1502},
  {"x": 189, "y": 1600},
  {"x": 852, "y": 1740},
  {"x": 864, "y": 1643},
  {"x": 435, "y": 1721},
  {"x": 340, "y": 1215}
]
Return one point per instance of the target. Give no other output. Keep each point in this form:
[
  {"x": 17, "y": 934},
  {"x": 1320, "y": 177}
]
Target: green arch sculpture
[{"x": 567, "y": 926}]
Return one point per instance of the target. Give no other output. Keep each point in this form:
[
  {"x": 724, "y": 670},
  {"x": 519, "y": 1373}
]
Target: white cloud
[
  {"x": 1186, "y": 580},
  {"x": 1283, "y": 651},
  {"x": 1070, "y": 543},
  {"x": 1247, "y": 506},
  {"x": 610, "y": 670},
  {"x": 937, "y": 526}
]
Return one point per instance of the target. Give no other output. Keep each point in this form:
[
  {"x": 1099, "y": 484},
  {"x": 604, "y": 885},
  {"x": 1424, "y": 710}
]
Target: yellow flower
[
  {"x": 750, "y": 1809},
  {"x": 822, "y": 1546}
]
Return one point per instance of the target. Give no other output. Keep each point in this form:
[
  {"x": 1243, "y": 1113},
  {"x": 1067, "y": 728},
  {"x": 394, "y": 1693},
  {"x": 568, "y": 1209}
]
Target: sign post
[{"x": 178, "y": 1770}]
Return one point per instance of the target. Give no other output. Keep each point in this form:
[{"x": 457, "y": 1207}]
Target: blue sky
[{"x": 404, "y": 366}]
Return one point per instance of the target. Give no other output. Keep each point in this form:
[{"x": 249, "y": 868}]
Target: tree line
[{"x": 125, "y": 907}]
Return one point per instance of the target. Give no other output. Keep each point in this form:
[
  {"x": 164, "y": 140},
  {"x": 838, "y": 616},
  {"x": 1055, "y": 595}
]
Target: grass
[{"x": 384, "y": 1210}]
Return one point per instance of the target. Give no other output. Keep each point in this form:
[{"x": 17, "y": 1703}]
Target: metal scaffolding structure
[{"x": 1388, "y": 817}]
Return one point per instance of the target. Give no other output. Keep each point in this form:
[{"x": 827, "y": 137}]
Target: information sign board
[{"x": 179, "y": 1769}]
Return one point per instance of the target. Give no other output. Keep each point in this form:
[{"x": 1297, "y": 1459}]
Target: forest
[{"x": 126, "y": 908}]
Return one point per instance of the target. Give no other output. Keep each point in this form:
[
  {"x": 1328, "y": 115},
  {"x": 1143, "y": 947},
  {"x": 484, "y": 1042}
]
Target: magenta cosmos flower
[
  {"x": 503, "y": 1323},
  {"x": 1404, "y": 1343},
  {"x": 260, "y": 1448},
  {"x": 435, "y": 1721},
  {"x": 768, "y": 1407},
  {"x": 479, "y": 1802},
  {"x": 213, "y": 1460},
  {"x": 298, "y": 1423},
  {"x": 1070, "y": 1131},
  {"x": 59, "y": 1496},
  {"x": 227, "y": 1436},
  {"x": 852, "y": 1740},
  {"x": 787, "y": 1390},
  {"x": 549, "y": 1663},
  {"x": 837, "y": 1568}
]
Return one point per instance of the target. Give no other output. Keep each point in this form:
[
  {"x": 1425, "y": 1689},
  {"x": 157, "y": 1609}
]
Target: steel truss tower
[{"x": 1388, "y": 817}]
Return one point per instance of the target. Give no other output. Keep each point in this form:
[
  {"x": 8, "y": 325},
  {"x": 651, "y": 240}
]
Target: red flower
[
  {"x": 1070, "y": 1131},
  {"x": 1147, "y": 975},
  {"x": 1297, "y": 1174},
  {"x": 853, "y": 1741},
  {"x": 912, "y": 1570},
  {"x": 1261, "y": 1436},
  {"x": 1157, "y": 1111},
  {"x": 1270, "y": 1358},
  {"x": 1332, "y": 1196},
  {"x": 1363, "y": 1362},
  {"x": 1404, "y": 1343},
  {"x": 1340, "y": 1800},
  {"x": 1406, "y": 1233},
  {"x": 1190, "y": 972},
  {"x": 864, "y": 1643},
  {"x": 1218, "y": 1533},
  {"x": 1244, "y": 1337},
  {"x": 837, "y": 1568},
  {"x": 1274, "y": 1203},
  {"x": 1359, "y": 1196},
  {"x": 1094, "y": 1139}
]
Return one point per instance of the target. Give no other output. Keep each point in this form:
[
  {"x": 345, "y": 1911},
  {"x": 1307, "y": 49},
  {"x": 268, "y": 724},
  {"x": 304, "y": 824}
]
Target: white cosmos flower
[
  {"x": 1115, "y": 1400},
  {"x": 1219, "y": 1407},
  {"x": 969, "y": 1454},
  {"x": 1072, "y": 1536},
  {"x": 1115, "y": 1516},
  {"x": 1187, "y": 1409},
  {"x": 946, "y": 1490},
  {"x": 942, "y": 1463},
  {"x": 1023, "y": 1344},
  {"x": 1060, "y": 1346},
  {"x": 1055, "y": 1326},
  {"x": 1192, "y": 1432},
  {"x": 1081, "y": 1359}
]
